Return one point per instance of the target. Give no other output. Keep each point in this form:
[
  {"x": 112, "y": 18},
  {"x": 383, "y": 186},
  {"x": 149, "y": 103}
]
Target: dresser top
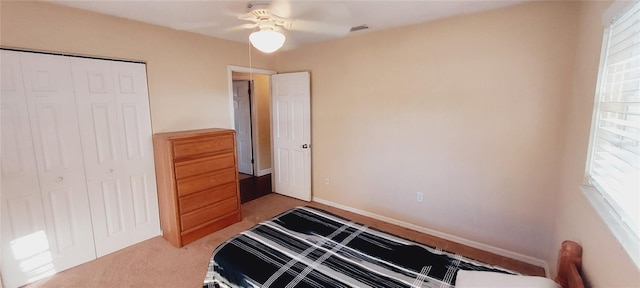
[{"x": 191, "y": 133}]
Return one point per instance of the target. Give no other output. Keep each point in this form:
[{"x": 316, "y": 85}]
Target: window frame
[{"x": 629, "y": 241}]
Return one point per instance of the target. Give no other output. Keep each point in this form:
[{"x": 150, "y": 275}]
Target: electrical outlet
[
  {"x": 326, "y": 181},
  {"x": 419, "y": 196}
]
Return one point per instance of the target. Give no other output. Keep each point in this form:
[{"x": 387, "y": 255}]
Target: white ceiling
[{"x": 220, "y": 18}]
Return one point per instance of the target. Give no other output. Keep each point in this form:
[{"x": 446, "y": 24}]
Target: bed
[{"x": 310, "y": 247}]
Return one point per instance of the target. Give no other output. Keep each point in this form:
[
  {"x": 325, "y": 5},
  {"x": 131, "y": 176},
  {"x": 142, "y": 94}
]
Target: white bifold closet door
[
  {"x": 46, "y": 221},
  {"x": 113, "y": 109},
  {"x": 77, "y": 165}
]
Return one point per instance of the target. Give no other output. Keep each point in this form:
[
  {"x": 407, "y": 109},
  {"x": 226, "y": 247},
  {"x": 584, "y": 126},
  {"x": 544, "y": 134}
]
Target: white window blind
[{"x": 614, "y": 162}]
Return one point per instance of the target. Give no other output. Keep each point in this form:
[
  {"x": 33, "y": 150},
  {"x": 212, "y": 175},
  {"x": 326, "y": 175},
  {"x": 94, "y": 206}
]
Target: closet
[{"x": 78, "y": 178}]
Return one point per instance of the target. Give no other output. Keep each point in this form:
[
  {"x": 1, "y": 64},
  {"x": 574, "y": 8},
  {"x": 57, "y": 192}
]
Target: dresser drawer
[
  {"x": 205, "y": 181},
  {"x": 188, "y": 168},
  {"x": 210, "y": 227},
  {"x": 208, "y": 213},
  {"x": 202, "y": 145},
  {"x": 206, "y": 197}
]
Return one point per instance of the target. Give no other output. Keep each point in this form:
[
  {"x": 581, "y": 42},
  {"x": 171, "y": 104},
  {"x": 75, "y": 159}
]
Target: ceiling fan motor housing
[{"x": 260, "y": 14}]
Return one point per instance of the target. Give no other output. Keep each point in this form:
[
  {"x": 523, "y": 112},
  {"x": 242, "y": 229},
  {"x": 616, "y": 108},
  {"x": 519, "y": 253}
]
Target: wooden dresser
[{"x": 197, "y": 175}]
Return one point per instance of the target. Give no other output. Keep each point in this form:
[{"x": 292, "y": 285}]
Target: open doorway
[{"x": 250, "y": 99}]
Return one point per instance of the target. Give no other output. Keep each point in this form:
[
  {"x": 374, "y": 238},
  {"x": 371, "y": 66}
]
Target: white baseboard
[
  {"x": 264, "y": 172},
  {"x": 453, "y": 238}
]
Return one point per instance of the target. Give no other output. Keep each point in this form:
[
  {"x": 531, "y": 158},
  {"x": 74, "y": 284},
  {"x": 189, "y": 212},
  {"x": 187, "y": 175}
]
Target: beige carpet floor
[{"x": 156, "y": 263}]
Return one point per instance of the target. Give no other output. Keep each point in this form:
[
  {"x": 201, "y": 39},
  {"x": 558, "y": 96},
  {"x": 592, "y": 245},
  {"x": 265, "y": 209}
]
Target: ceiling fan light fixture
[{"x": 267, "y": 41}]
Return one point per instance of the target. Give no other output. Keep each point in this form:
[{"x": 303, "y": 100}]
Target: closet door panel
[
  {"x": 45, "y": 216},
  {"x": 98, "y": 118},
  {"x": 111, "y": 138},
  {"x": 62, "y": 210},
  {"x": 50, "y": 99},
  {"x": 114, "y": 213},
  {"x": 47, "y": 117},
  {"x": 132, "y": 99},
  {"x": 108, "y": 195},
  {"x": 23, "y": 221},
  {"x": 141, "y": 194}
]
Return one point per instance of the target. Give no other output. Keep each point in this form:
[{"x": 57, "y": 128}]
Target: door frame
[{"x": 254, "y": 112}]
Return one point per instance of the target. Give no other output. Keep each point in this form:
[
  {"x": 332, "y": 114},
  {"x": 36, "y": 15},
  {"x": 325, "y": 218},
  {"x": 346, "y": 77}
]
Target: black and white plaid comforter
[{"x": 308, "y": 247}]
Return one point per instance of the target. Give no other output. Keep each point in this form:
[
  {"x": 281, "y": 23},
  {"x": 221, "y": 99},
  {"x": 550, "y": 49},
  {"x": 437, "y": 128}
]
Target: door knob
[{"x": 305, "y": 146}]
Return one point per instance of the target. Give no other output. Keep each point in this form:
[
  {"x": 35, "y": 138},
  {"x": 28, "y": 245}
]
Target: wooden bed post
[{"x": 569, "y": 265}]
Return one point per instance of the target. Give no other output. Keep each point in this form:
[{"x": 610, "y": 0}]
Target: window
[{"x": 613, "y": 168}]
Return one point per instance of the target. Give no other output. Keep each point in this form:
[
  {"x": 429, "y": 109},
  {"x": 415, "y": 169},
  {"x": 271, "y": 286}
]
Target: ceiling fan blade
[
  {"x": 246, "y": 26},
  {"x": 280, "y": 8},
  {"x": 327, "y": 10},
  {"x": 246, "y": 17},
  {"x": 318, "y": 27},
  {"x": 315, "y": 10},
  {"x": 194, "y": 25}
]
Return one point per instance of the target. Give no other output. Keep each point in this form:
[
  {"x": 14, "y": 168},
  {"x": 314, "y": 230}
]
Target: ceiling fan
[{"x": 270, "y": 22}]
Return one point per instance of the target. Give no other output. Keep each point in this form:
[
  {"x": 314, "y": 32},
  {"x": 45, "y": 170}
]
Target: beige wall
[
  {"x": 187, "y": 72},
  {"x": 262, "y": 94},
  {"x": 606, "y": 264},
  {"x": 468, "y": 110}
]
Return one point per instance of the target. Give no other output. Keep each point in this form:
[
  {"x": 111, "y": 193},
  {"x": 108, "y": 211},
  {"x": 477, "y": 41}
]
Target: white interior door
[
  {"x": 67, "y": 239},
  {"x": 291, "y": 130},
  {"x": 113, "y": 109},
  {"x": 242, "y": 117}
]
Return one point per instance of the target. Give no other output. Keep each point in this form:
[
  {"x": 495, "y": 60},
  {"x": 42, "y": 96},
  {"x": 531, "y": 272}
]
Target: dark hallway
[{"x": 252, "y": 187}]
